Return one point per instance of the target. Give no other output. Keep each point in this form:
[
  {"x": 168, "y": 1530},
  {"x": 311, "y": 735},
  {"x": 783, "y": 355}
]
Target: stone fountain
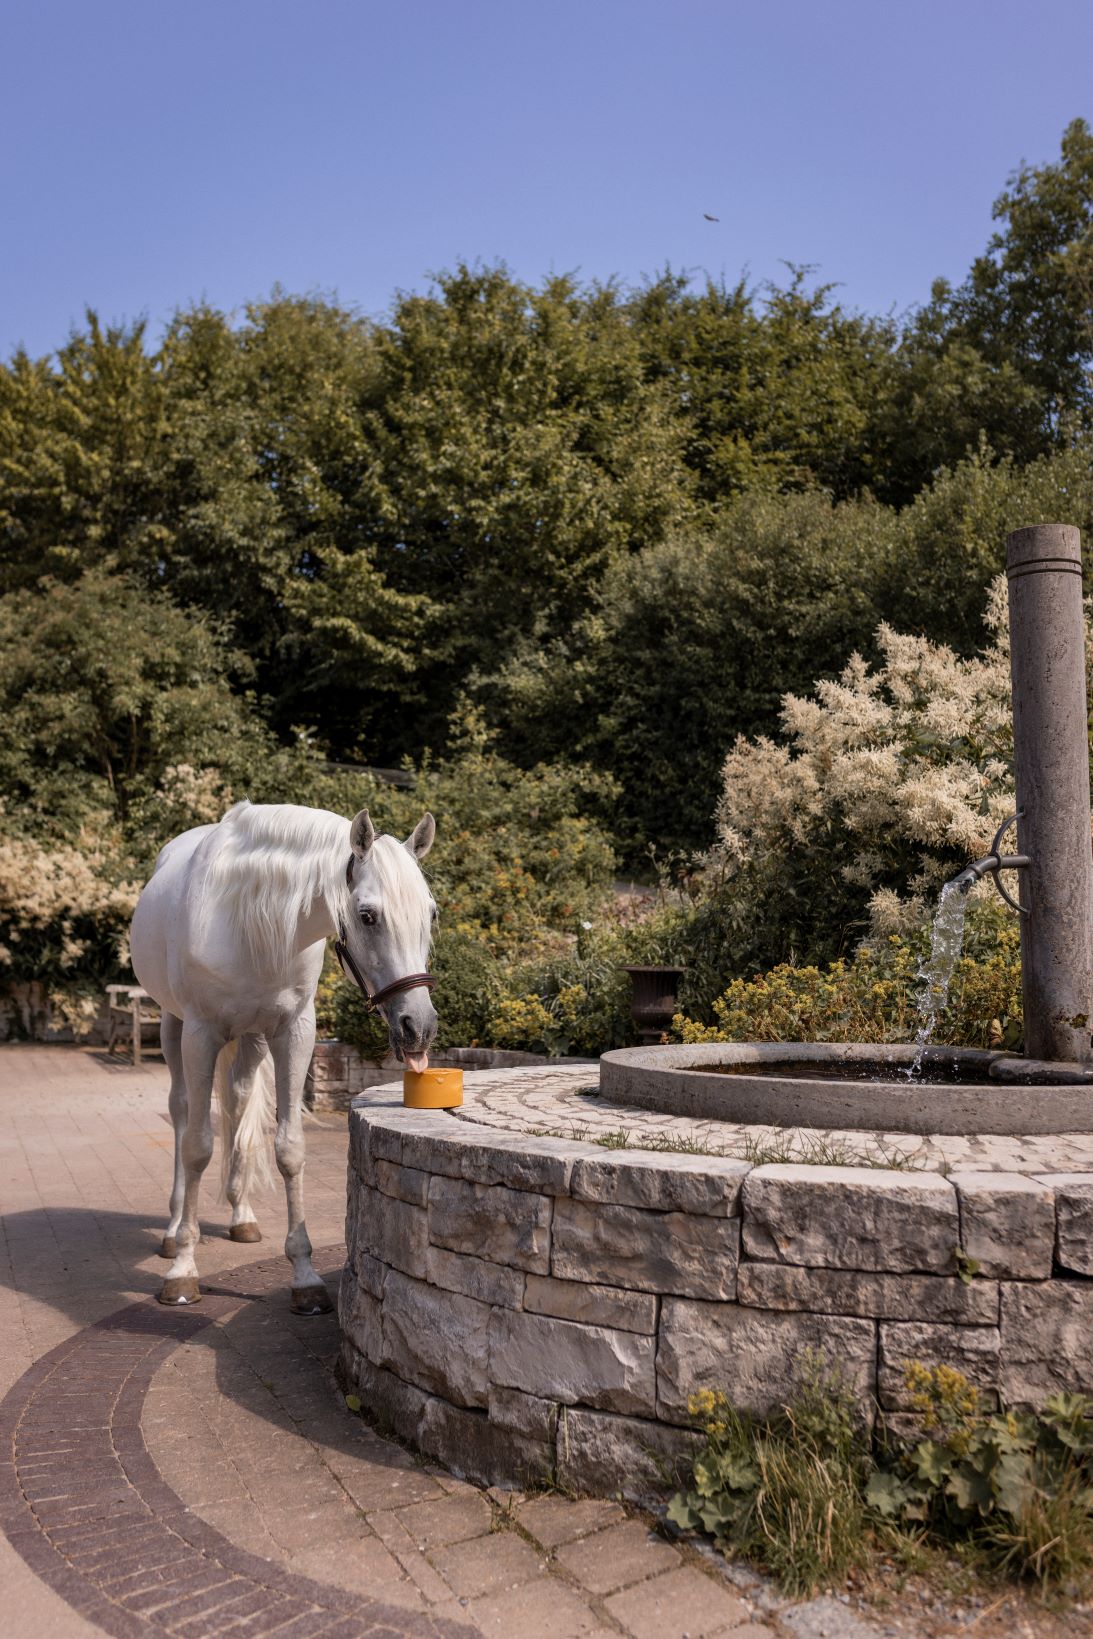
[
  {"x": 918, "y": 1089},
  {"x": 538, "y": 1282}
]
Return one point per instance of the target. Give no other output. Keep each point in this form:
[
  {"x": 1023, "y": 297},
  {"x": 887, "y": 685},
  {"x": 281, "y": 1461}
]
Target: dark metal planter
[{"x": 654, "y": 1001}]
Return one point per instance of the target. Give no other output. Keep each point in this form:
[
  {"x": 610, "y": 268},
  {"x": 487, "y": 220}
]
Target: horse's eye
[
  {"x": 434, "y": 913},
  {"x": 368, "y": 918}
]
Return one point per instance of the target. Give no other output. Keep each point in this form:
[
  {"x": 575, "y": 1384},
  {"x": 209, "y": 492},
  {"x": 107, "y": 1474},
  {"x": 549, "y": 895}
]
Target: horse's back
[{"x": 160, "y": 915}]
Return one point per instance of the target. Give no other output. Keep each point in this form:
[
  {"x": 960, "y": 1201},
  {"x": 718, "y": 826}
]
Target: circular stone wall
[
  {"x": 685, "y": 1080},
  {"x": 528, "y": 1306}
]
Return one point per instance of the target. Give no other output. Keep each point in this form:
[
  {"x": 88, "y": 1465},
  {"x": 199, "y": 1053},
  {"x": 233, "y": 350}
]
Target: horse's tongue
[{"x": 416, "y": 1061}]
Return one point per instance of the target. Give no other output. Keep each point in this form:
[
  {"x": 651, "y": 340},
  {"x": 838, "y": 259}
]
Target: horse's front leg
[
  {"x": 170, "y": 1039},
  {"x": 291, "y": 1049},
  {"x": 200, "y": 1046}
]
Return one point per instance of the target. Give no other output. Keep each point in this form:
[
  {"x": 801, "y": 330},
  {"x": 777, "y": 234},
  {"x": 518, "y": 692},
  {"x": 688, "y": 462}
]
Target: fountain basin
[{"x": 770, "y": 1084}]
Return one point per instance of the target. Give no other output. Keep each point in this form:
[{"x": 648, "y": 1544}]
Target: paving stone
[
  {"x": 851, "y": 1218},
  {"x": 753, "y": 1355},
  {"x": 554, "y": 1520},
  {"x": 505, "y": 1226},
  {"x": 670, "y": 1182},
  {"x": 1073, "y": 1193},
  {"x": 868, "y": 1294},
  {"x": 683, "y": 1604},
  {"x": 973, "y": 1350},
  {"x": 455, "y": 1519},
  {"x": 436, "y": 1340},
  {"x": 616, "y": 1557},
  {"x": 538, "y": 1610},
  {"x": 488, "y": 1564},
  {"x": 1007, "y": 1224},
  {"x": 594, "y": 1305},
  {"x": 1047, "y": 1341},
  {"x": 629, "y": 1456},
  {"x": 651, "y": 1251},
  {"x": 475, "y": 1278},
  {"x": 560, "y": 1360}
]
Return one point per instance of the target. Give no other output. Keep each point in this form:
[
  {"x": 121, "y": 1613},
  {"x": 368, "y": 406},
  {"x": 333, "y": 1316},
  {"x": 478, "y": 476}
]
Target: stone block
[
  {"x": 1047, "y": 1341},
  {"x": 668, "y": 1182},
  {"x": 476, "y": 1449},
  {"x": 754, "y": 1356},
  {"x": 526, "y": 1414},
  {"x": 973, "y": 1350},
  {"x": 1007, "y": 1223},
  {"x": 371, "y": 1274},
  {"x": 404, "y": 1183},
  {"x": 484, "y": 1155},
  {"x": 624, "y": 1246},
  {"x": 475, "y": 1278},
  {"x": 851, "y": 1218},
  {"x": 395, "y": 1404},
  {"x": 1073, "y": 1193},
  {"x": 393, "y": 1231},
  {"x": 560, "y": 1360},
  {"x": 360, "y": 1317},
  {"x": 868, "y": 1294},
  {"x": 592, "y": 1305},
  {"x": 612, "y": 1456},
  {"x": 507, "y": 1226},
  {"x": 437, "y": 1340}
]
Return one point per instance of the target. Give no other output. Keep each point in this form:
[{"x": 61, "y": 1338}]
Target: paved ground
[{"x": 194, "y": 1472}]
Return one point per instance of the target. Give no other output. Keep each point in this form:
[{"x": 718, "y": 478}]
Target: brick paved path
[{"x": 194, "y": 1472}]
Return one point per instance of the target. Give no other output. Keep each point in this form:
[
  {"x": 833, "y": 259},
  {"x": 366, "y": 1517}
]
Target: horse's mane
[{"x": 274, "y": 861}]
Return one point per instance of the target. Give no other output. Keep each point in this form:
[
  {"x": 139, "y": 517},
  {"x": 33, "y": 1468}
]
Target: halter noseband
[{"x": 373, "y": 1001}]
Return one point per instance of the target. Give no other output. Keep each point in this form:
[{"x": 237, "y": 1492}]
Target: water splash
[{"x": 936, "y": 972}]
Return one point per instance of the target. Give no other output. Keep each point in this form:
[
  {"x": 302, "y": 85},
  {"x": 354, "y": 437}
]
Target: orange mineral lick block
[{"x": 432, "y": 1089}]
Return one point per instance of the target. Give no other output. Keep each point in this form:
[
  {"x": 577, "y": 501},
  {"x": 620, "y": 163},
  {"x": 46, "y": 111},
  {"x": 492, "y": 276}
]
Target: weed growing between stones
[
  {"x": 795, "y": 1144},
  {"x": 808, "y": 1495}
]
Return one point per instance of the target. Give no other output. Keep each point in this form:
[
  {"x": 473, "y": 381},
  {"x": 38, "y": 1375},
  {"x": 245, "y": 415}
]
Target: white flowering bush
[
  {"x": 887, "y": 780},
  {"x": 64, "y": 916}
]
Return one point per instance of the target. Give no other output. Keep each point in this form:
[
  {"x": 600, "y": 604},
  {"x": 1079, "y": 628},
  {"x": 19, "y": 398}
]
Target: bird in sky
[{"x": 707, "y": 217}]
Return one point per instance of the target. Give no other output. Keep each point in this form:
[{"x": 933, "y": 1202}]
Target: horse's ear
[
  {"x": 362, "y": 834},
  {"x": 421, "y": 837}
]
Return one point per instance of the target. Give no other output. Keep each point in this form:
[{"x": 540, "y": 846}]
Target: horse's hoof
[
  {"x": 167, "y": 1248},
  {"x": 183, "y": 1289},
  {"x": 245, "y": 1232},
  {"x": 311, "y": 1300}
]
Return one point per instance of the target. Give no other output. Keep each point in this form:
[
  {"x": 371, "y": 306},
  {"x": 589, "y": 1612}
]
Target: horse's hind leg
[
  {"x": 291, "y": 1052},
  {"x": 199, "y": 1052},
  {"x": 245, "y": 1133},
  {"x": 170, "y": 1036}
]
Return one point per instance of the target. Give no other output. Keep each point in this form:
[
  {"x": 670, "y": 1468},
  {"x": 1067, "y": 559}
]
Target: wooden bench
[{"x": 131, "y": 1013}]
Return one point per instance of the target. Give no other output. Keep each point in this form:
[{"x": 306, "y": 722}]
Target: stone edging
[
  {"x": 83, "y": 1503},
  {"x": 523, "y": 1307}
]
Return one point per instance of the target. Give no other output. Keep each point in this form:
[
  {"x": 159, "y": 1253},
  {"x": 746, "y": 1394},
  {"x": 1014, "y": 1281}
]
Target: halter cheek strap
[{"x": 373, "y": 1000}]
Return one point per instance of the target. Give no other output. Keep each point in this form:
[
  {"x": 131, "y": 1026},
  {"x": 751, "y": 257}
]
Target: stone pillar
[{"x": 1051, "y": 755}]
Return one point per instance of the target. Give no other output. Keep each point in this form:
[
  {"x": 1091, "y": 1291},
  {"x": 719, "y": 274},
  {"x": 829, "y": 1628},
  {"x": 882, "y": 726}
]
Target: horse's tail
[{"x": 246, "y": 1132}]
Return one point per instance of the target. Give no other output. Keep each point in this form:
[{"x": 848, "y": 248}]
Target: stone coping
[
  {"x": 673, "y": 1079},
  {"x": 523, "y": 1305}
]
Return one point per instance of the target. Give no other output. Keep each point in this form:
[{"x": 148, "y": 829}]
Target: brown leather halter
[{"x": 373, "y": 1000}]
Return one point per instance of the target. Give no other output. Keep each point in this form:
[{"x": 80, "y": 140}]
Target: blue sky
[{"x": 155, "y": 154}]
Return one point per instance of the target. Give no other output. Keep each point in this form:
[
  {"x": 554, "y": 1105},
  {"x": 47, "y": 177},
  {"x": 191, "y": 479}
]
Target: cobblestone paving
[
  {"x": 564, "y": 1103},
  {"x": 194, "y": 1472}
]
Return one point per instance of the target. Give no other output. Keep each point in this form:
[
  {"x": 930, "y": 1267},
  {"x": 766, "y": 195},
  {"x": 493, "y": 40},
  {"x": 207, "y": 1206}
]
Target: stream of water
[{"x": 936, "y": 972}]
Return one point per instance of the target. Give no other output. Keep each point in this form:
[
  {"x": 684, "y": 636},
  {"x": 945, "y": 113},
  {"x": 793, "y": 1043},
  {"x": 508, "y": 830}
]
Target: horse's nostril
[{"x": 409, "y": 1028}]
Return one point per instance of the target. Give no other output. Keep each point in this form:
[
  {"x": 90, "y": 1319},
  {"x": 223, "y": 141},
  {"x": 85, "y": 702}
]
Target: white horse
[{"x": 228, "y": 937}]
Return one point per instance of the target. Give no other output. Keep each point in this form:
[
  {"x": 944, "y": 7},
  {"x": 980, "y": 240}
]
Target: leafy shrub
[
  {"x": 872, "y": 996},
  {"x": 807, "y": 1495}
]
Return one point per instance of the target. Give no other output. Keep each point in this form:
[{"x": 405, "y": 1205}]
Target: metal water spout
[{"x": 1051, "y": 766}]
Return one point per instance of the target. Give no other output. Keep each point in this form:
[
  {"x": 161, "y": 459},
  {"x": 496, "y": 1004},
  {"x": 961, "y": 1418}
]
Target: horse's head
[{"x": 389, "y": 929}]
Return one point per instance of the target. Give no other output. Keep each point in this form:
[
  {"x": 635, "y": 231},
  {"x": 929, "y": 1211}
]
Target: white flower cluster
[
  {"x": 898, "y": 770},
  {"x": 44, "y": 887}
]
